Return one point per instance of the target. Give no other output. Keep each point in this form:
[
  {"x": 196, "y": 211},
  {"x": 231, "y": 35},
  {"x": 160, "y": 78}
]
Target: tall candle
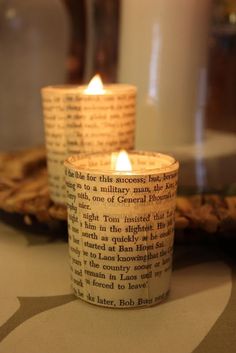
[
  {"x": 121, "y": 227},
  {"x": 163, "y": 52},
  {"x": 85, "y": 119}
]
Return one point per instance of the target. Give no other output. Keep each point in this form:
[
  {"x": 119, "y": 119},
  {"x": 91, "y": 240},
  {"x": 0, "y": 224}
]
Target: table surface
[{"x": 38, "y": 312}]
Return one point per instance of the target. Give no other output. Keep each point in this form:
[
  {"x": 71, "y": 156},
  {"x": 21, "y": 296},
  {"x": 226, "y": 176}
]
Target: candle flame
[
  {"x": 95, "y": 86},
  {"x": 123, "y": 163}
]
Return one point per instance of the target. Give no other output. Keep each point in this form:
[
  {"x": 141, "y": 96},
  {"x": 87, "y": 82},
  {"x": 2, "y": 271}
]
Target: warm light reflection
[
  {"x": 123, "y": 163},
  {"x": 95, "y": 86},
  {"x": 232, "y": 18}
]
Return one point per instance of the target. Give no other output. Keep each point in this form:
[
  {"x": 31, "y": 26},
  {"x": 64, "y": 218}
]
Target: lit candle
[
  {"x": 95, "y": 86},
  {"x": 78, "y": 119},
  {"x": 100, "y": 118},
  {"x": 121, "y": 225},
  {"x": 122, "y": 162}
]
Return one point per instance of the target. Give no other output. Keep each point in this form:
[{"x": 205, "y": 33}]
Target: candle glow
[
  {"x": 123, "y": 163},
  {"x": 95, "y": 86},
  {"x": 126, "y": 212},
  {"x": 107, "y": 112}
]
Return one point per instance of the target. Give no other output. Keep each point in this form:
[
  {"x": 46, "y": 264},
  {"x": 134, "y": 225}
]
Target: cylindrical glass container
[
  {"x": 121, "y": 228},
  {"x": 185, "y": 96},
  {"x": 77, "y": 121},
  {"x": 163, "y": 52}
]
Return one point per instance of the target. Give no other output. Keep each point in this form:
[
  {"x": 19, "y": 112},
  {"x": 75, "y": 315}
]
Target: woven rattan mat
[{"x": 24, "y": 191}]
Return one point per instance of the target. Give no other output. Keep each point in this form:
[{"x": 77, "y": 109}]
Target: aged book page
[
  {"x": 100, "y": 123},
  {"x": 76, "y": 122},
  {"x": 121, "y": 229},
  {"x": 55, "y": 138}
]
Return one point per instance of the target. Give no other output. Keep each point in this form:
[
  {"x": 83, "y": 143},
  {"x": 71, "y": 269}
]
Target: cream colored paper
[
  {"x": 121, "y": 229},
  {"x": 55, "y": 139},
  {"x": 76, "y": 122},
  {"x": 101, "y": 123}
]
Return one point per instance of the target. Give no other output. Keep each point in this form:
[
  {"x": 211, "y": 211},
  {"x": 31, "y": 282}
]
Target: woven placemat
[{"x": 24, "y": 191}]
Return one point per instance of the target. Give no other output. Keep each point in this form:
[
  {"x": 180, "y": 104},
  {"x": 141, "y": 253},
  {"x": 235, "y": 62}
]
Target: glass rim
[
  {"x": 110, "y": 88},
  {"x": 173, "y": 166}
]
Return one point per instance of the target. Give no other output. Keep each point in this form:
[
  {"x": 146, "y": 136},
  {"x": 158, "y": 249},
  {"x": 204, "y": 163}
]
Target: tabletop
[{"x": 39, "y": 313}]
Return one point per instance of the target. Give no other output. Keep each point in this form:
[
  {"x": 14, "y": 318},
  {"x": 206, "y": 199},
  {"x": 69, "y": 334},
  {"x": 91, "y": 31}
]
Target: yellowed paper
[
  {"x": 101, "y": 123},
  {"x": 55, "y": 139},
  {"x": 76, "y": 122},
  {"x": 121, "y": 229}
]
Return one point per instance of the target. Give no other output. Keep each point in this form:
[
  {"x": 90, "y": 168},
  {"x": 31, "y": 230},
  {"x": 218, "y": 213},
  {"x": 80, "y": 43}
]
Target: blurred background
[{"x": 181, "y": 55}]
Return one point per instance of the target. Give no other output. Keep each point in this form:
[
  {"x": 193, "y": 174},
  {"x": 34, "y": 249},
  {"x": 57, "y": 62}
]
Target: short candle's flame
[
  {"x": 95, "y": 86},
  {"x": 123, "y": 163}
]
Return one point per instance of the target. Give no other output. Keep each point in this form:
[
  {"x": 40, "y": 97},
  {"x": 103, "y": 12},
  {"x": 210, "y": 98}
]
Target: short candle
[
  {"x": 81, "y": 119},
  {"x": 121, "y": 227}
]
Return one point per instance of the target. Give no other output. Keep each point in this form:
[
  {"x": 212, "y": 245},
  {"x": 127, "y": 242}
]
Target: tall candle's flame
[
  {"x": 123, "y": 163},
  {"x": 95, "y": 86}
]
